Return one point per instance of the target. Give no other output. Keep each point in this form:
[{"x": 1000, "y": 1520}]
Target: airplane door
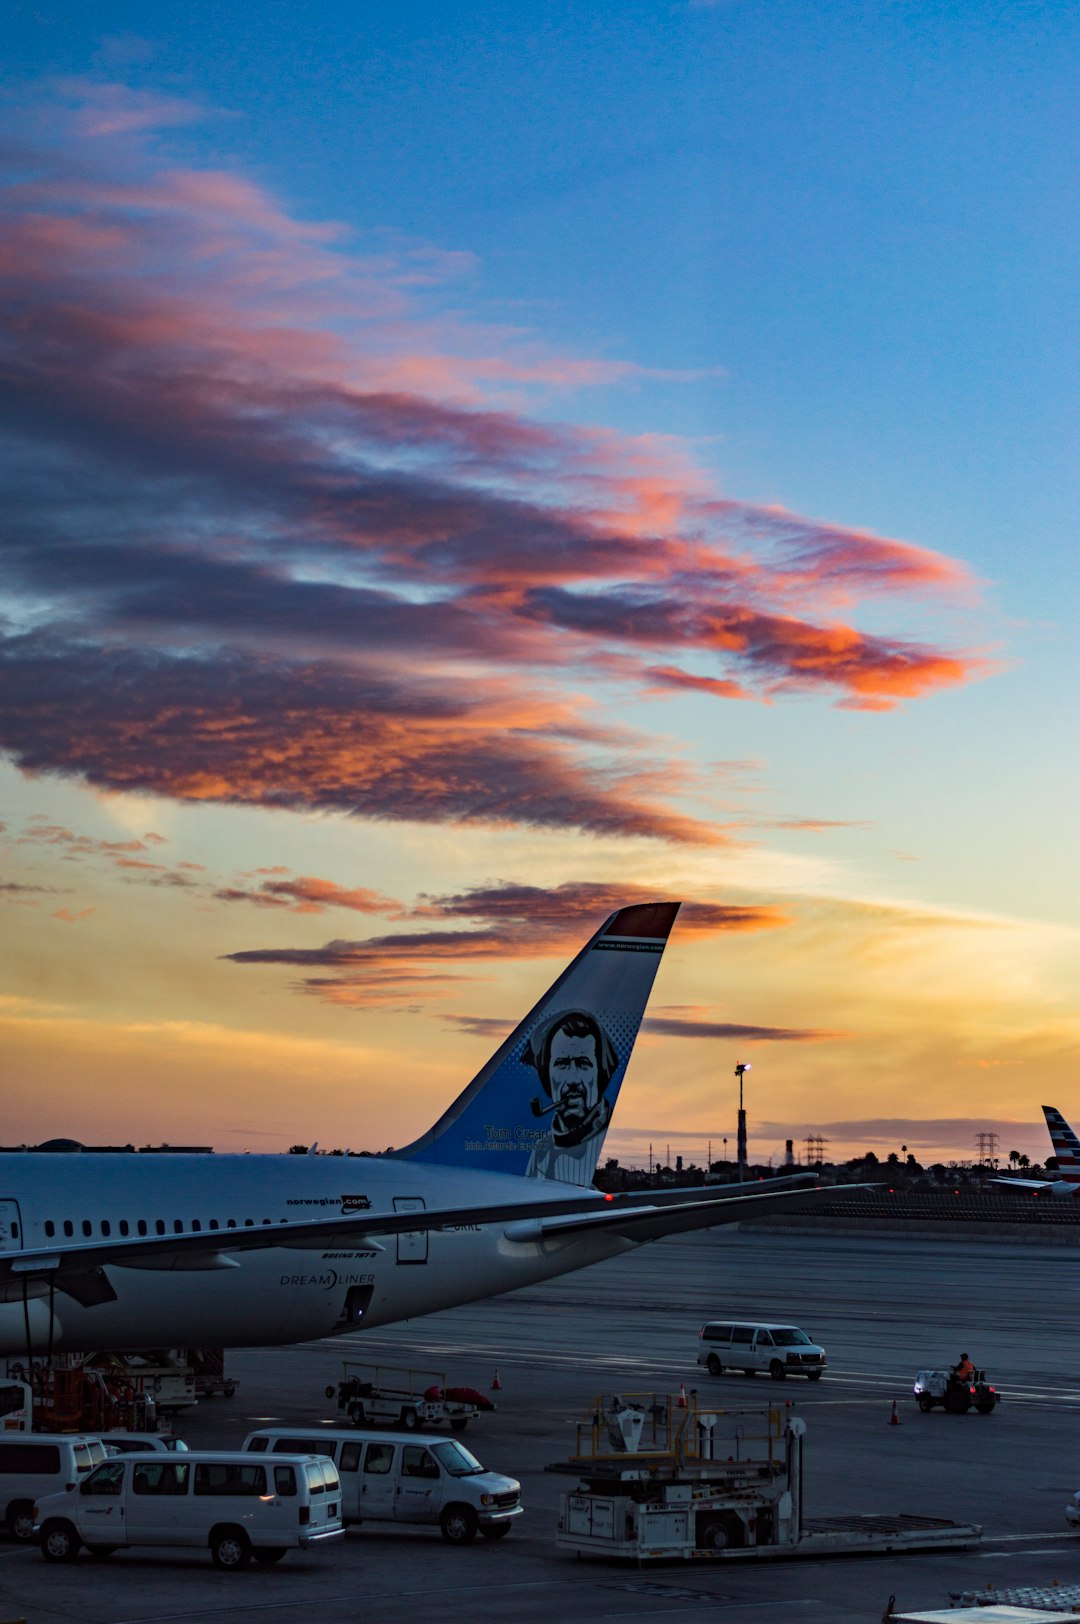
[
  {"x": 11, "y": 1236},
  {"x": 412, "y": 1245}
]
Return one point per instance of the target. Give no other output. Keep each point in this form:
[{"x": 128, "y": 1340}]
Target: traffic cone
[
  {"x": 496, "y": 1384},
  {"x": 681, "y": 1401},
  {"x": 894, "y": 1419}
]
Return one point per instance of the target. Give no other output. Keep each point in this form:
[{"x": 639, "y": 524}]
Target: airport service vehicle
[
  {"x": 16, "y": 1406},
  {"x": 208, "y": 1369},
  {"x": 71, "y": 1393},
  {"x": 955, "y": 1393},
  {"x": 658, "y": 1481},
  {"x": 782, "y": 1350},
  {"x": 393, "y": 1395},
  {"x": 420, "y": 1479},
  {"x": 236, "y": 1507},
  {"x": 990, "y": 1604},
  {"x": 37, "y": 1463},
  {"x": 132, "y": 1251}
]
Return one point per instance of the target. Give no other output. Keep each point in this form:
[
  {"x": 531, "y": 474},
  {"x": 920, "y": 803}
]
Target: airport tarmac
[{"x": 882, "y": 1305}]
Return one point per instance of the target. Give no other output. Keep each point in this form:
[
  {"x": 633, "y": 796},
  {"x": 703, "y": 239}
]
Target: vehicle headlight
[{"x": 487, "y": 1499}]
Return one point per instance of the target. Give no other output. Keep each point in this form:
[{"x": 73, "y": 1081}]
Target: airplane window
[
  {"x": 249, "y": 1223},
  {"x": 196, "y": 1223},
  {"x": 123, "y": 1226},
  {"x": 142, "y": 1226},
  {"x": 214, "y": 1224},
  {"x": 69, "y": 1227},
  {"x": 178, "y": 1226},
  {"x": 50, "y": 1228},
  {"x": 159, "y": 1225},
  {"x": 87, "y": 1227},
  {"x": 267, "y": 1220},
  {"x": 106, "y": 1227},
  {"x": 231, "y": 1223}
]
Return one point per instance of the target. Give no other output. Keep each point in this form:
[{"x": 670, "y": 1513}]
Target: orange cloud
[{"x": 183, "y": 344}]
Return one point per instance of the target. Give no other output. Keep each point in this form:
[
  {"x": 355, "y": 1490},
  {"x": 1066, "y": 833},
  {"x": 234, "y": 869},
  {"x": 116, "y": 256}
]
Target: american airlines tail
[
  {"x": 542, "y": 1103},
  {"x": 1066, "y": 1146}
]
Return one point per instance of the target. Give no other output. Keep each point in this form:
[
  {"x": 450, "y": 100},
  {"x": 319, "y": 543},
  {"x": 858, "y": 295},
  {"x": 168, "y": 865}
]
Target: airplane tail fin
[
  {"x": 1066, "y": 1145},
  {"x": 542, "y": 1103}
]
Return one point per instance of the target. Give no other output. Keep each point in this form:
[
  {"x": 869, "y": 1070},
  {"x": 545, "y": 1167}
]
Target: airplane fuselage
[{"x": 276, "y": 1294}]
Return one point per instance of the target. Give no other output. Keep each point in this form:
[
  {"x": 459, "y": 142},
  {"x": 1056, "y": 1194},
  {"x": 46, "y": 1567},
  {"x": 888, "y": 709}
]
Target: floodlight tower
[{"x": 740, "y": 1070}]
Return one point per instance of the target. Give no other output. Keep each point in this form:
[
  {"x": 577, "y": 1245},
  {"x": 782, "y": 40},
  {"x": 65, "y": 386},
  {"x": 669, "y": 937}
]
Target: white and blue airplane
[{"x": 111, "y": 1251}]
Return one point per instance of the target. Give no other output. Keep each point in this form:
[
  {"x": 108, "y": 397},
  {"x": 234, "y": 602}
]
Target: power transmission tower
[
  {"x": 815, "y": 1149},
  {"x": 987, "y": 1144}
]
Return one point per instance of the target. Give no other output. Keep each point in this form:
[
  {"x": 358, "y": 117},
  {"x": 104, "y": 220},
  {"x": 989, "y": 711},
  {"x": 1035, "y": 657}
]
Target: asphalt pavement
[{"x": 882, "y": 1305}]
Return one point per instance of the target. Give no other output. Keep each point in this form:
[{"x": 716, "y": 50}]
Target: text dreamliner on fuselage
[{"x": 111, "y": 1251}]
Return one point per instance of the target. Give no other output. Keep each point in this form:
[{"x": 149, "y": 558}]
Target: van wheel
[
  {"x": 409, "y": 1420},
  {"x": 713, "y": 1365},
  {"x": 776, "y": 1370},
  {"x": 230, "y": 1549},
  {"x": 356, "y": 1414},
  {"x": 813, "y": 1375},
  {"x": 20, "y": 1521},
  {"x": 458, "y": 1524},
  {"x": 269, "y": 1553},
  {"x": 496, "y": 1530},
  {"x": 331, "y": 1392},
  {"x": 102, "y": 1551},
  {"x": 926, "y": 1403},
  {"x": 59, "y": 1542}
]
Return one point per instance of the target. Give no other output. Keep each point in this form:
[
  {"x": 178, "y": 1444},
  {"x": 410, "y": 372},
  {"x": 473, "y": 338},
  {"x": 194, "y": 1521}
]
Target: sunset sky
[{"x": 466, "y": 467}]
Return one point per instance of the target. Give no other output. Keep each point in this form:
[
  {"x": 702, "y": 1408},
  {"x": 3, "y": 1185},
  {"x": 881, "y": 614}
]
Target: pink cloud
[{"x": 305, "y": 554}]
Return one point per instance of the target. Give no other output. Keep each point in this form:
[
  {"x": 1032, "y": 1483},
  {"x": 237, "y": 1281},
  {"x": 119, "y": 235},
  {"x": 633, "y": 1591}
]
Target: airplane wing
[
  {"x": 650, "y": 1223},
  {"x": 1024, "y": 1184},
  {"x": 79, "y": 1269}
]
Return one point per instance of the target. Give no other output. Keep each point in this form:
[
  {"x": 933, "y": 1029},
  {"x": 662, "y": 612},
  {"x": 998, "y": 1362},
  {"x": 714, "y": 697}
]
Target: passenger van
[
  {"x": 37, "y": 1463},
  {"x": 234, "y": 1506},
  {"x": 135, "y": 1443},
  {"x": 782, "y": 1350},
  {"x": 418, "y": 1478}
]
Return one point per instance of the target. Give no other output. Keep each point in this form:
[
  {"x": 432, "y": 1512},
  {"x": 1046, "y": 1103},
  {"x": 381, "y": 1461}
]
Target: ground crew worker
[{"x": 965, "y": 1370}]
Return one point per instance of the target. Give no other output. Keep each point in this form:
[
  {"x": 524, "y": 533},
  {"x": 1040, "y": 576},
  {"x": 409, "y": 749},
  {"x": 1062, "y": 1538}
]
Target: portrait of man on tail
[{"x": 575, "y": 1061}]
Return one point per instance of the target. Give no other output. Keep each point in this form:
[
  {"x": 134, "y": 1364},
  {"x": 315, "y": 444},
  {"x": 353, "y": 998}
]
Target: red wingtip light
[{"x": 609, "y": 1197}]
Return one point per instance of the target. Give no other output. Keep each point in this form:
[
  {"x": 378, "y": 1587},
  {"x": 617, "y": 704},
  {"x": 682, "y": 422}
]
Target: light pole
[{"x": 740, "y": 1070}]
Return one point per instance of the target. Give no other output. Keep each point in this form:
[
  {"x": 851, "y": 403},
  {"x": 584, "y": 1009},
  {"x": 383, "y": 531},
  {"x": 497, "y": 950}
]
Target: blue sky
[{"x": 789, "y": 287}]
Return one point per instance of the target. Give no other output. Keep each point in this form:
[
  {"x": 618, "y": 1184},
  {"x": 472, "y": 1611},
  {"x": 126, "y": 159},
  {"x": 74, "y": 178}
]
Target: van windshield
[
  {"x": 791, "y": 1339},
  {"x": 455, "y": 1459}
]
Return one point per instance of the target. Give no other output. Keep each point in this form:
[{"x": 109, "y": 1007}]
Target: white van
[
  {"x": 421, "y": 1478},
  {"x": 237, "y": 1507},
  {"x": 782, "y": 1350},
  {"x": 36, "y": 1463},
  {"x": 136, "y": 1443}
]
